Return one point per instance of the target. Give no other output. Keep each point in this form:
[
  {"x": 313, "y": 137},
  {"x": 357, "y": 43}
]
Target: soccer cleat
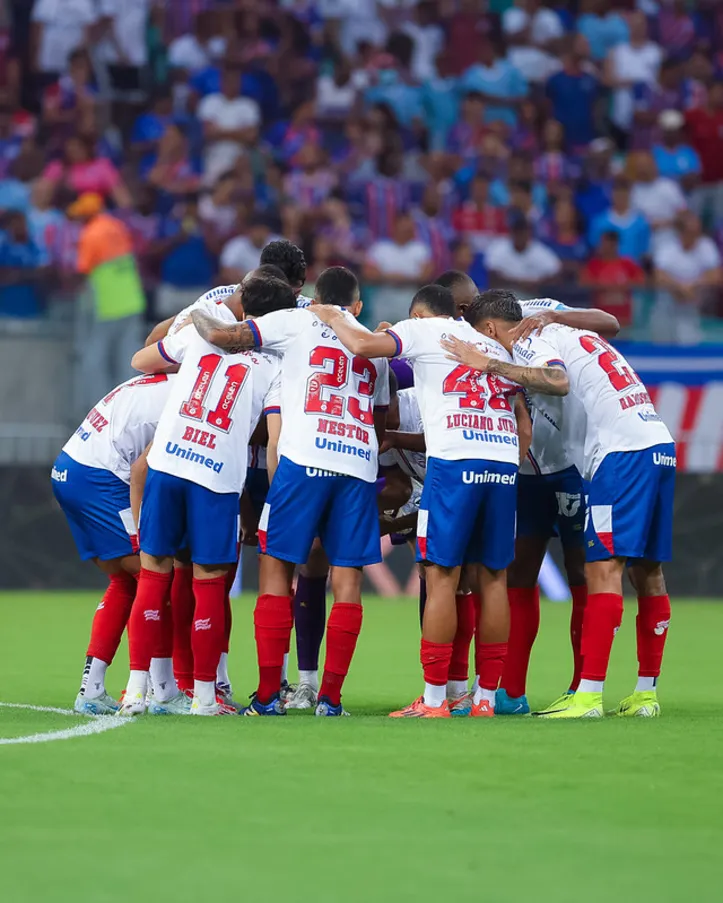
[
  {"x": 214, "y": 709},
  {"x": 418, "y": 709},
  {"x": 224, "y": 696},
  {"x": 460, "y": 707},
  {"x": 562, "y": 702},
  {"x": 99, "y": 705},
  {"x": 274, "y": 707},
  {"x": 305, "y": 697},
  {"x": 583, "y": 705},
  {"x": 132, "y": 705},
  {"x": 287, "y": 691},
  {"x": 482, "y": 709},
  {"x": 510, "y": 705},
  {"x": 180, "y": 704},
  {"x": 325, "y": 709},
  {"x": 640, "y": 704}
]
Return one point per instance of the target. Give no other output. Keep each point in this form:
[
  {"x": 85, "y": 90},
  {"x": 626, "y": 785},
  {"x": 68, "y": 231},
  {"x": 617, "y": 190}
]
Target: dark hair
[
  {"x": 269, "y": 270},
  {"x": 264, "y": 295},
  {"x": 494, "y": 304},
  {"x": 336, "y": 285},
  {"x": 451, "y": 278},
  {"x": 437, "y": 299},
  {"x": 288, "y": 258}
]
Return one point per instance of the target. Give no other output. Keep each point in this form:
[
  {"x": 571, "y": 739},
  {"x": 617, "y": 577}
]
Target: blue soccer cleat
[
  {"x": 325, "y": 709},
  {"x": 274, "y": 707},
  {"x": 510, "y": 705}
]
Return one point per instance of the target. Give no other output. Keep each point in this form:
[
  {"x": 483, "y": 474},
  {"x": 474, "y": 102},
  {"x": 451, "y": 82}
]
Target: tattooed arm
[
  {"x": 548, "y": 380},
  {"x": 233, "y": 337}
]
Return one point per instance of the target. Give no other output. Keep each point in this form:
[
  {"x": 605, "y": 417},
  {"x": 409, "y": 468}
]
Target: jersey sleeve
[
  {"x": 381, "y": 388},
  {"x": 538, "y": 351},
  {"x": 534, "y": 304},
  {"x": 406, "y": 336},
  {"x": 272, "y": 401},
  {"x": 275, "y": 330},
  {"x": 173, "y": 347}
]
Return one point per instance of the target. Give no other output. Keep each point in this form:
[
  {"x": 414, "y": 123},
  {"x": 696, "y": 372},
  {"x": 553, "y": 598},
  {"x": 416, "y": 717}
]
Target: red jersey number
[
  {"x": 368, "y": 373},
  {"x": 320, "y": 399},
  {"x": 475, "y": 389},
  {"x": 620, "y": 376},
  {"x": 220, "y": 417}
]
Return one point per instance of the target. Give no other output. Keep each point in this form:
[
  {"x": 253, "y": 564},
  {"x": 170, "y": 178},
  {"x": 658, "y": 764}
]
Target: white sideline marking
[{"x": 96, "y": 724}]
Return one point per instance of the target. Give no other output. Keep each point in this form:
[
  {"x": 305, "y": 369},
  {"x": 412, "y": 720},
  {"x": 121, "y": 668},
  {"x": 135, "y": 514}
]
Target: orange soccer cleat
[
  {"x": 418, "y": 709},
  {"x": 482, "y": 709}
]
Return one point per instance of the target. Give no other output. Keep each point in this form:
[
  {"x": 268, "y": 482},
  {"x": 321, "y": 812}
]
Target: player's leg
[
  {"x": 349, "y": 533},
  {"x": 182, "y": 607},
  {"x": 574, "y": 560},
  {"x": 467, "y": 601},
  {"x": 309, "y": 622}
]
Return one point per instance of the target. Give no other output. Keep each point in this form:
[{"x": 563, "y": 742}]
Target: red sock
[
  {"x": 209, "y": 626},
  {"x": 491, "y": 658},
  {"x": 603, "y": 617},
  {"x": 182, "y": 607},
  {"x": 459, "y": 666},
  {"x": 342, "y": 631},
  {"x": 273, "y": 621},
  {"x": 230, "y": 577},
  {"x": 652, "y": 629},
  {"x": 145, "y": 624},
  {"x": 524, "y": 624},
  {"x": 435, "y": 659},
  {"x": 111, "y": 617},
  {"x": 579, "y": 601}
]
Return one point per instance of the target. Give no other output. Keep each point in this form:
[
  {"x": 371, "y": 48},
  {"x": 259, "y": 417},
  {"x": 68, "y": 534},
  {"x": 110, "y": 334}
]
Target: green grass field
[{"x": 364, "y": 808}]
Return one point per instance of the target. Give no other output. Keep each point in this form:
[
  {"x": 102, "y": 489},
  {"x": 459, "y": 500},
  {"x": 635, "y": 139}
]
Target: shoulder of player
[{"x": 534, "y": 304}]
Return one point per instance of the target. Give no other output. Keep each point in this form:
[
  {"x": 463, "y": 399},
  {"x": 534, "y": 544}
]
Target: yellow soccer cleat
[
  {"x": 640, "y": 704},
  {"x": 582, "y": 705},
  {"x": 562, "y": 702}
]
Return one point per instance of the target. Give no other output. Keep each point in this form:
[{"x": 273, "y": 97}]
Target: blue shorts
[
  {"x": 552, "y": 504},
  {"x": 467, "y": 513},
  {"x": 257, "y": 488},
  {"x": 97, "y": 505},
  {"x": 305, "y": 502},
  {"x": 630, "y": 505},
  {"x": 178, "y": 514}
]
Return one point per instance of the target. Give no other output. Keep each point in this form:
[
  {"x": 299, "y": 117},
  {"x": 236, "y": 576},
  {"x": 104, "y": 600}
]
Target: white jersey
[
  {"x": 213, "y": 408},
  {"x": 618, "y": 412},
  {"x": 304, "y": 301},
  {"x": 118, "y": 429},
  {"x": 466, "y": 414},
  {"x": 328, "y": 395},
  {"x": 414, "y": 464},
  {"x": 212, "y": 303}
]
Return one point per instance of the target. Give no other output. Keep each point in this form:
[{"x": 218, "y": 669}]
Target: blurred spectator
[
  {"x": 198, "y": 48},
  {"x": 230, "y": 124},
  {"x": 336, "y": 92},
  {"x": 64, "y": 100},
  {"x": 688, "y": 271},
  {"x": 386, "y": 194},
  {"x": 243, "y": 253},
  {"x": 542, "y": 26},
  {"x": 9, "y": 62},
  {"x": 59, "y": 28},
  {"x": 311, "y": 184},
  {"x": 464, "y": 138},
  {"x": 122, "y": 44},
  {"x": 552, "y": 164},
  {"x": 677, "y": 28},
  {"x": 705, "y": 130},
  {"x": 673, "y": 157},
  {"x": 468, "y": 26},
  {"x": 427, "y": 37},
  {"x": 520, "y": 260},
  {"x": 630, "y": 62},
  {"x": 477, "y": 220},
  {"x": 433, "y": 227},
  {"x": 626, "y": 221},
  {"x": 394, "y": 91},
  {"x": 563, "y": 235},
  {"x": 594, "y": 190},
  {"x": 501, "y": 85},
  {"x": 42, "y": 214},
  {"x": 149, "y": 128},
  {"x": 613, "y": 277},
  {"x": 338, "y": 227},
  {"x": 22, "y": 269},
  {"x": 143, "y": 222},
  {"x": 398, "y": 264},
  {"x": 218, "y": 208},
  {"x": 659, "y": 200},
  {"x": 672, "y": 91},
  {"x": 604, "y": 29},
  {"x": 81, "y": 170},
  {"x": 173, "y": 173},
  {"x": 574, "y": 93},
  {"x": 116, "y": 303},
  {"x": 185, "y": 249}
]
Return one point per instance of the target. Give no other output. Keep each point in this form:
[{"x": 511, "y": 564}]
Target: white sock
[
  {"x": 162, "y": 679},
  {"x": 456, "y": 689},
  {"x": 137, "y": 684},
  {"x": 590, "y": 686},
  {"x": 646, "y": 684},
  {"x": 480, "y": 693},
  {"x": 285, "y": 668},
  {"x": 93, "y": 683},
  {"x": 435, "y": 696},
  {"x": 475, "y": 685},
  {"x": 222, "y": 670},
  {"x": 205, "y": 691},
  {"x": 310, "y": 678}
]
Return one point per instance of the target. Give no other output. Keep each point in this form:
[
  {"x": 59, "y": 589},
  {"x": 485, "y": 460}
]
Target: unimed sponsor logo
[
  {"x": 664, "y": 460},
  {"x": 341, "y": 448},
  {"x": 60, "y": 476},
  {"x": 190, "y": 454},
  {"x": 316, "y": 472},
  {"x": 488, "y": 476}
]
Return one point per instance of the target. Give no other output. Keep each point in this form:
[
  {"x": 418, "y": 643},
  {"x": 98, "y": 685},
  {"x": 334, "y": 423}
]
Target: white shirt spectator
[
  {"x": 534, "y": 262},
  {"x": 658, "y": 201},
  {"x": 536, "y": 65},
  {"x": 632, "y": 64},
  {"x": 687, "y": 265},
  {"x": 64, "y": 24},
  {"x": 400, "y": 260},
  {"x": 428, "y": 44},
  {"x": 187, "y": 52},
  {"x": 226, "y": 113},
  {"x": 130, "y": 18},
  {"x": 241, "y": 254},
  {"x": 545, "y": 25},
  {"x": 333, "y": 99}
]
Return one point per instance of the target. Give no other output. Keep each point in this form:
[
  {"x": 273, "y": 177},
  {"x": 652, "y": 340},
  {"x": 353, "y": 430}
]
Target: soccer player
[
  {"x": 291, "y": 261},
  {"x": 91, "y": 481},
  {"x": 462, "y": 286},
  {"x": 196, "y": 472},
  {"x": 550, "y": 502},
  {"x": 467, "y": 510},
  {"x": 627, "y": 458},
  {"x": 333, "y": 407}
]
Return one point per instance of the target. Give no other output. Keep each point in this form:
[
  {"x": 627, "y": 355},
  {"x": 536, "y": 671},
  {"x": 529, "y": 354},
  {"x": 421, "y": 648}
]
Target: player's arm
[
  {"x": 273, "y": 425},
  {"x": 524, "y": 426},
  {"x": 139, "y": 470},
  {"x": 389, "y": 525},
  {"x": 233, "y": 337},
  {"x": 406, "y": 441},
  {"x": 594, "y": 320},
  {"x": 358, "y": 341},
  {"x": 550, "y": 380},
  {"x": 397, "y": 489},
  {"x": 159, "y": 332},
  {"x": 154, "y": 359}
]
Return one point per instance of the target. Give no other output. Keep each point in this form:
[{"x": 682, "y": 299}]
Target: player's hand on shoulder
[
  {"x": 464, "y": 353},
  {"x": 383, "y": 326},
  {"x": 324, "y": 312},
  {"x": 533, "y": 325}
]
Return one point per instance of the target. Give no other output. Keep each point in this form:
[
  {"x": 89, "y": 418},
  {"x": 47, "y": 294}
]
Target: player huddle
[{"x": 499, "y": 425}]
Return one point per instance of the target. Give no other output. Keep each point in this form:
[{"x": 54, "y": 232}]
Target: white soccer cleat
[
  {"x": 98, "y": 705},
  {"x": 180, "y": 704},
  {"x": 133, "y": 705},
  {"x": 198, "y": 709},
  {"x": 305, "y": 697}
]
